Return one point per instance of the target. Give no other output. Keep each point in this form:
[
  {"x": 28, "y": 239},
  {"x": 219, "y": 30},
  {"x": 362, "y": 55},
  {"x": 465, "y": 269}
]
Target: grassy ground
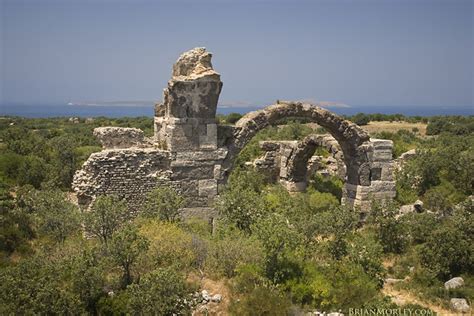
[{"x": 386, "y": 126}]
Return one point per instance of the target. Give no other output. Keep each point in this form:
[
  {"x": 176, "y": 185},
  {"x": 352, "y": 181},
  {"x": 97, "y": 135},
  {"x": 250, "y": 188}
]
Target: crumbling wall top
[
  {"x": 193, "y": 64},
  {"x": 119, "y": 137}
]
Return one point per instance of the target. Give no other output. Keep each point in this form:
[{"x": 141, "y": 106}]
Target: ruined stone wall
[
  {"x": 277, "y": 162},
  {"x": 381, "y": 186},
  {"x": 282, "y": 162},
  {"x": 128, "y": 173},
  {"x": 185, "y": 152},
  {"x": 190, "y": 152}
]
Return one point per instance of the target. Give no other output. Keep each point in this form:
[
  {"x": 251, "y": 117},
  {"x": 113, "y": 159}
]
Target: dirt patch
[
  {"x": 401, "y": 298},
  {"x": 212, "y": 287}
]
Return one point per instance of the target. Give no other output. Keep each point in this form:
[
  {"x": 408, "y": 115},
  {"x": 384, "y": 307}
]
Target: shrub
[
  {"x": 280, "y": 242},
  {"x": 419, "y": 226},
  {"x": 339, "y": 285},
  {"x": 231, "y": 248},
  {"x": 254, "y": 295},
  {"x": 390, "y": 231},
  {"x": 124, "y": 249},
  {"x": 108, "y": 214},
  {"x": 32, "y": 170},
  {"x": 449, "y": 250},
  {"x": 232, "y": 118},
  {"x": 163, "y": 203},
  {"x": 261, "y": 301},
  {"x": 331, "y": 185},
  {"x": 361, "y": 119},
  {"x": 241, "y": 204},
  {"x": 160, "y": 292},
  {"x": 170, "y": 246},
  {"x": 34, "y": 287},
  {"x": 366, "y": 251},
  {"x": 52, "y": 215}
]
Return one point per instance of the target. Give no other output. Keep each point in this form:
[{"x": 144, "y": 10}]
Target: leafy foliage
[
  {"x": 160, "y": 292},
  {"x": 125, "y": 248},
  {"x": 108, "y": 214},
  {"x": 163, "y": 203}
]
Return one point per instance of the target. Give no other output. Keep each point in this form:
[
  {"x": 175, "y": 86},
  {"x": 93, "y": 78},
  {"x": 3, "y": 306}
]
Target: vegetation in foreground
[{"x": 277, "y": 253}]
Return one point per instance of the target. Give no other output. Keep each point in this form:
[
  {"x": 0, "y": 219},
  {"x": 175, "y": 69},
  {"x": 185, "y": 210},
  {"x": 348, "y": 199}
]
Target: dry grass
[
  {"x": 402, "y": 297},
  {"x": 393, "y": 127},
  {"x": 386, "y": 126},
  {"x": 213, "y": 287}
]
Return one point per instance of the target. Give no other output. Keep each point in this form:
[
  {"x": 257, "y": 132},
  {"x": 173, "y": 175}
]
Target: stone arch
[{"x": 353, "y": 140}]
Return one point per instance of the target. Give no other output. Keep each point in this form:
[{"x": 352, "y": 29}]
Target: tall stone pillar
[{"x": 186, "y": 120}]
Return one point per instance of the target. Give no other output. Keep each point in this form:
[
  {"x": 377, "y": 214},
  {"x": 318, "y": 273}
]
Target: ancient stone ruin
[{"x": 194, "y": 154}]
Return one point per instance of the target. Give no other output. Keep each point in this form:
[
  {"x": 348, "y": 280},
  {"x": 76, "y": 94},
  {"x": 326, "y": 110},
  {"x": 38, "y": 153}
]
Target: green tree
[
  {"x": 365, "y": 250},
  {"x": 232, "y": 118},
  {"x": 160, "y": 292},
  {"x": 87, "y": 278},
  {"x": 15, "y": 226},
  {"x": 51, "y": 212},
  {"x": 163, "y": 203},
  {"x": 33, "y": 170},
  {"x": 124, "y": 249},
  {"x": 241, "y": 204},
  {"x": 361, "y": 119},
  {"x": 449, "y": 250},
  {"x": 107, "y": 215},
  {"x": 253, "y": 294},
  {"x": 64, "y": 160},
  {"x": 391, "y": 232},
  {"x": 231, "y": 248},
  {"x": 280, "y": 242},
  {"x": 36, "y": 287}
]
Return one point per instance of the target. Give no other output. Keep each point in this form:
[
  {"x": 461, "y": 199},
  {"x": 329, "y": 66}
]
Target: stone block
[
  {"x": 208, "y": 188},
  {"x": 193, "y": 172}
]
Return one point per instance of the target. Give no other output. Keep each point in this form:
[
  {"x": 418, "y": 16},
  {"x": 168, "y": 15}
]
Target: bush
[
  {"x": 261, "y": 301},
  {"x": 232, "y": 118},
  {"x": 231, "y": 248},
  {"x": 52, "y": 215},
  {"x": 280, "y": 242},
  {"x": 163, "y": 203},
  {"x": 419, "y": 226},
  {"x": 108, "y": 214},
  {"x": 366, "y": 251},
  {"x": 254, "y": 295},
  {"x": 32, "y": 170},
  {"x": 331, "y": 185},
  {"x": 161, "y": 292},
  {"x": 390, "y": 231},
  {"x": 124, "y": 249},
  {"x": 361, "y": 119},
  {"x": 35, "y": 287},
  {"x": 449, "y": 250},
  {"x": 339, "y": 285},
  {"x": 241, "y": 204},
  {"x": 170, "y": 246}
]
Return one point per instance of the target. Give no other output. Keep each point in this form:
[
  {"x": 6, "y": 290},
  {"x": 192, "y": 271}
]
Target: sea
[{"x": 57, "y": 110}]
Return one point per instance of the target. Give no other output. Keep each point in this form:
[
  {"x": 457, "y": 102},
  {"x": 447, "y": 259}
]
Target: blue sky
[{"x": 357, "y": 52}]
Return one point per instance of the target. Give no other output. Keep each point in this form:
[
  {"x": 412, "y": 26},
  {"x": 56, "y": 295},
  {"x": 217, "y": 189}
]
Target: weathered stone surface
[
  {"x": 127, "y": 173},
  {"x": 460, "y": 305},
  {"x": 454, "y": 283},
  {"x": 406, "y": 156},
  {"x": 191, "y": 96},
  {"x": 289, "y": 163},
  {"x": 119, "y": 137}
]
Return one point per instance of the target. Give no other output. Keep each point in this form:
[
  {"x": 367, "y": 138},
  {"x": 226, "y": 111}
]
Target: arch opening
[{"x": 367, "y": 161}]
